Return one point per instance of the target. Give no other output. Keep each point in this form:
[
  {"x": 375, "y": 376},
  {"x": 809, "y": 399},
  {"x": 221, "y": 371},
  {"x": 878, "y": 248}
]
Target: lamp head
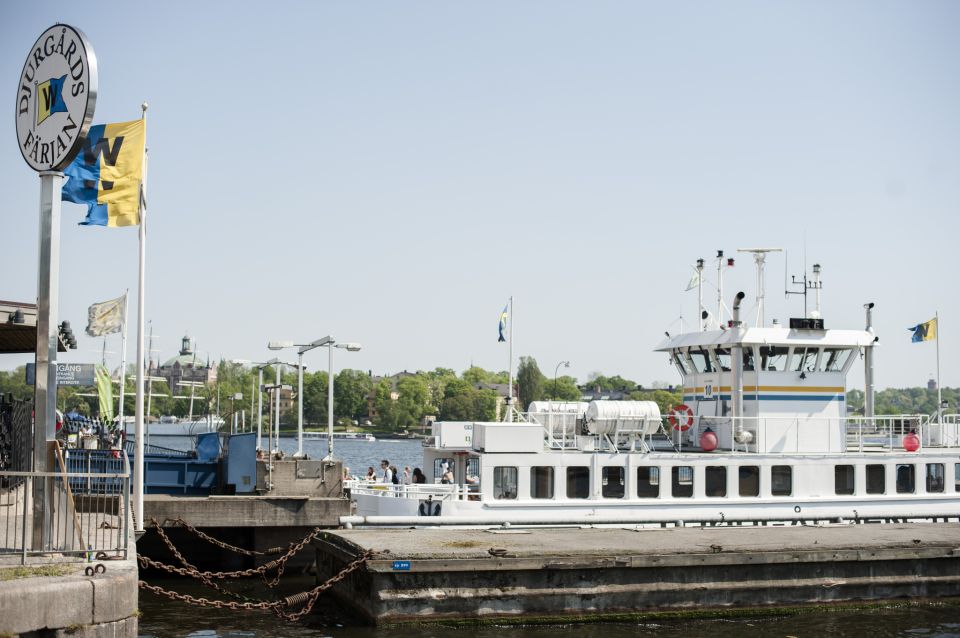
[
  {"x": 280, "y": 345},
  {"x": 350, "y": 347}
]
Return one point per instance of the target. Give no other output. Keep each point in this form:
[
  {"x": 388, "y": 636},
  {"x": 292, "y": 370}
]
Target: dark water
[{"x": 162, "y": 618}]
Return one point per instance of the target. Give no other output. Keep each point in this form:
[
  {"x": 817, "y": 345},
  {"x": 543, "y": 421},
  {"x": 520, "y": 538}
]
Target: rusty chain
[
  {"x": 219, "y": 543},
  {"x": 278, "y": 563},
  {"x": 304, "y": 600}
]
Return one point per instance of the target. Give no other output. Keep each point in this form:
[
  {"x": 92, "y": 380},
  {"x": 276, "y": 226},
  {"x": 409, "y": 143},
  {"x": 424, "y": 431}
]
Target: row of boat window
[
  {"x": 771, "y": 358},
  {"x": 648, "y": 484}
]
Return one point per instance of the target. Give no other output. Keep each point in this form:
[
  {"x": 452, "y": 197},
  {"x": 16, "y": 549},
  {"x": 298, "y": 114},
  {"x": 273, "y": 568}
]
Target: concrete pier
[
  {"x": 303, "y": 495},
  {"x": 437, "y": 575}
]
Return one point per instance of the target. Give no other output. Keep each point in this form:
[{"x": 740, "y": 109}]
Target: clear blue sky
[{"x": 389, "y": 173}]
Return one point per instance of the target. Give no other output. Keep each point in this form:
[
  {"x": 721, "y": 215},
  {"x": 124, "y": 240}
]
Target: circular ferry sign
[{"x": 55, "y": 98}]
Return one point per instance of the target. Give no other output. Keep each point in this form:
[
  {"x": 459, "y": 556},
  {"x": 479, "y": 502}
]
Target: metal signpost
[{"x": 56, "y": 97}]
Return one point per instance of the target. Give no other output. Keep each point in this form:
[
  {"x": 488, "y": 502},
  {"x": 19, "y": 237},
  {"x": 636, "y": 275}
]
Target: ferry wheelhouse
[{"x": 763, "y": 435}]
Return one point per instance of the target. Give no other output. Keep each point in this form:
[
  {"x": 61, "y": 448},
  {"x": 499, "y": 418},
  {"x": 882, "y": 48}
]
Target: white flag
[
  {"x": 106, "y": 317},
  {"x": 694, "y": 281}
]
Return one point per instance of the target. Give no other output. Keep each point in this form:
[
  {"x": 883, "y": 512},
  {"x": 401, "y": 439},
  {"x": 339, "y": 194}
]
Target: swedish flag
[
  {"x": 107, "y": 173},
  {"x": 926, "y": 331}
]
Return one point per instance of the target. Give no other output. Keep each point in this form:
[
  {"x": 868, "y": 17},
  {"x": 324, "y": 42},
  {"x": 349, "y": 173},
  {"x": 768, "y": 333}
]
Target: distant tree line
[{"x": 402, "y": 401}]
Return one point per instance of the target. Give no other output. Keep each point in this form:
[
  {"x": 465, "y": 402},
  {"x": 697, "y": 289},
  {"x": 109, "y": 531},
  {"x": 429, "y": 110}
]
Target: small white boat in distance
[{"x": 341, "y": 436}]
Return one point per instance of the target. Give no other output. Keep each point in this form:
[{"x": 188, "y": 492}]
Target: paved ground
[{"x": 461, "y": 544}]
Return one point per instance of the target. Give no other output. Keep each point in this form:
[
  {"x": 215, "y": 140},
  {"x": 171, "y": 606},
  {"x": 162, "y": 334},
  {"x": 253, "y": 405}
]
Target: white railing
[{"x": 435, "y": 491}]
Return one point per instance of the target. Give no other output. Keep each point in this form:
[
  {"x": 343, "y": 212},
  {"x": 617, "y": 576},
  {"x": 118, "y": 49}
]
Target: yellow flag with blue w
[
  {"x": 926, "y": 331},
  {"x": 107, "y": 173}
]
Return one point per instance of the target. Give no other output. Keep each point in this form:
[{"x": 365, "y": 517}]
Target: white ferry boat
[{"x": 763, "y": 436}]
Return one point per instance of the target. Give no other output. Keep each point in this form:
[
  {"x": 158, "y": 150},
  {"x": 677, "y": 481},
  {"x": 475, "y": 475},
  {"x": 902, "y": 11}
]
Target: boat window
[
  {"x": 748, "y": 358},
  {"x": 723, "y": 358},
  {"x": 956, "y": 477},
  {"x": 749, "y": 480},
  {"x": 678, "y": 360},
  {"x": 876, "y": 479},
  {"x": 906, "y": 479},
  {"x": 804, "y": 359},
  {"x": 505, "y": 483},
  {"x": 701, "y": 361},
  {"x": 835, "y": 358},
  {"x": 682, "y": 481},
  {"x": 843, "y": 479},
  {"x": 716, "y": 484},
  {"x": 541, "y": 482},
  {"x": 613, "y": 483},
  {"x": 772, "y": 358},
  {"x": 438, "y": 468},
  {"x": 934, "y": 477},
  {"x": 473, "y": 466},
  {"x": 781, "y": 480},
  {"x": 578, "y": 482},
  {"x": 648, "y": 482}
]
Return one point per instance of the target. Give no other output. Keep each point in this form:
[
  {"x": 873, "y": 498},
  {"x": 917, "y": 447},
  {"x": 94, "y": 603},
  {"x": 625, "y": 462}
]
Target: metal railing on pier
[{"x": 85, "y": 513}]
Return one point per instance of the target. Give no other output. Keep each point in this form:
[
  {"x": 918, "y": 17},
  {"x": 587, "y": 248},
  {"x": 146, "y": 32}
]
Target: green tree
[
  {"x": 474, "y": 375},
  {"x": 663, "y": 398},
  {"x": 315, "y": 397},
  {"x": 565, "y": 389},
  {"x": 530, "y": 381},
  {"x": 350, "y": 391}
]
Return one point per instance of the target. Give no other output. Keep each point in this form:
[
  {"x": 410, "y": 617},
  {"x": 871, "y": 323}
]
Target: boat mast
[{"x": 760, "y": 257}]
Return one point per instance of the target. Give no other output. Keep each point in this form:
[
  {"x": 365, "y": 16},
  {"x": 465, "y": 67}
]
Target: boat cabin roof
[{"x": 769, "y": 336}]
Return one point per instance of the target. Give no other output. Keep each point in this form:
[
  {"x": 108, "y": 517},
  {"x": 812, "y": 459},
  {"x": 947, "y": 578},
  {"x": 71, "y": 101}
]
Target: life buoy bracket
[{"x": 680, "y": 417}]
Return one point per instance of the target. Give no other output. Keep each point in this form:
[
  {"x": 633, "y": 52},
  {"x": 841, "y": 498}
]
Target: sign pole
[{"x": 48, "y": 302}]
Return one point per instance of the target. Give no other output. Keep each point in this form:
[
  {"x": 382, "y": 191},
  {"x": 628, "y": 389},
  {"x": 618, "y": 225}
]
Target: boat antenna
[
  {"x": 759, "y": 258},
  {"x": 806, "y": 285},
  {"x": 721, "y": 263}
]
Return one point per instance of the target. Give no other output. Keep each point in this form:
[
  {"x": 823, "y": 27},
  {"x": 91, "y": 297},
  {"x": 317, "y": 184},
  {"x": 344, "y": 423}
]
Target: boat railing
[
  {"x": 559, "y": 428},
  {"x": 425, "y": 491},
  {"x": 790, "y": 434}
]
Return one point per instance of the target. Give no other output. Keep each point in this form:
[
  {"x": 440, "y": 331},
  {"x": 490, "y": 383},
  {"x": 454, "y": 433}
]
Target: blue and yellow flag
[
  {"x": 50, "y": 98},
  {"x": 926, "y": 331},
  {"x": 503, "y": 323},
  {"x": 106, "y": 174}
]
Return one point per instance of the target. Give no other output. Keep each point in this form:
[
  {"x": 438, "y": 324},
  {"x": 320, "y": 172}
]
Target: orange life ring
[{"x": 680, "y": 417}]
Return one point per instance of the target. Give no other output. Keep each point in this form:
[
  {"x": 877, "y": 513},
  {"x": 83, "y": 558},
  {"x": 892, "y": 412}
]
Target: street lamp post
[
  {"x": 329, "y": 342},
  {"x": 565, "y": 364}
]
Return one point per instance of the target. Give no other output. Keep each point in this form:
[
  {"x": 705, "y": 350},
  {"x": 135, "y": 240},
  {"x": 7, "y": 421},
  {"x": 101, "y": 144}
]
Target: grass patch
[{"x": 40, "y": 570}]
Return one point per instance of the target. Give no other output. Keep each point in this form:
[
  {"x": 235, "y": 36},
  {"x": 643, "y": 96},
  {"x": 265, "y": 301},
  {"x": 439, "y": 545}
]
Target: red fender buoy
[
  {"x": 911, "y": 442},
  {"x": 708, "y": 440}
]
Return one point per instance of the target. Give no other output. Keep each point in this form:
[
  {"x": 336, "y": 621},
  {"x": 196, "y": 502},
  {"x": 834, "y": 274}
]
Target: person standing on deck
[{"x": 387, "y": 472}]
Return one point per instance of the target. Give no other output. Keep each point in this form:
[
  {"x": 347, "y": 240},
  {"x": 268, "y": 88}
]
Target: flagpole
[
  {"x": 936, "y": 318},
  {"x": 510, "y": 379},
  {"x": 123, "y": 360},
  {"x": 138, "y": 429}
]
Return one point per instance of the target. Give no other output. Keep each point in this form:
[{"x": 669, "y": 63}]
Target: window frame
[
  {"x": 499, "y": 493},
  {"x": 576, "y": 481},
  {"x": 551, "y": 483}
]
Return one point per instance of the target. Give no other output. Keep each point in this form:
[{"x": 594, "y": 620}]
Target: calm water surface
[{"x": 162, "y": 618}]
